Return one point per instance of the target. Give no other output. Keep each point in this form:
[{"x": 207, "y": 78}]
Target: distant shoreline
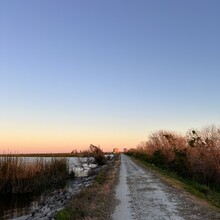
[{"x": 47, "y": 155}]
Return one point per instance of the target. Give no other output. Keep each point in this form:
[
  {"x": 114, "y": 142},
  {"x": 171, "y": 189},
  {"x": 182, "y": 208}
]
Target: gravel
[{"x": 142, "y": 195}]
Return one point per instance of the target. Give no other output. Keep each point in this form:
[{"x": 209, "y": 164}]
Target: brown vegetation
[
  {"x": 96, "y": 201},
  {"x": 19, "y": 176},
  {"x": 195, "y": 156},
  {"x": 98, "y": 154}
]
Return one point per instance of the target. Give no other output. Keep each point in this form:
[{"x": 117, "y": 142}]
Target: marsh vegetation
[
  {"x": 195, "y": 158},
  {"x": 17, "y": 175},
  {"x": 33, "y": 176}
]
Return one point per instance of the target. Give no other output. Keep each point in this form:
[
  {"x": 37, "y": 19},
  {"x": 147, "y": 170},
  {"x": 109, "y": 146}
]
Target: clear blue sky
[{"x": 105, "y": 72}]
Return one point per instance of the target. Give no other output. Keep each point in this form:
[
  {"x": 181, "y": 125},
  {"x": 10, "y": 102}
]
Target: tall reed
[{"x": 18, "y": 175}]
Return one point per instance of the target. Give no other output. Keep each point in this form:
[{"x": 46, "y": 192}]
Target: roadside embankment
[
  {"x": 51, "y": 204},
  {"x": 96, "y": 201}
]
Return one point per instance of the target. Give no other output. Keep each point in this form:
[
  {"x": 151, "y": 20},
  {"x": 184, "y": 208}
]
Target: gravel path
[{"x": 144, "y": 195}]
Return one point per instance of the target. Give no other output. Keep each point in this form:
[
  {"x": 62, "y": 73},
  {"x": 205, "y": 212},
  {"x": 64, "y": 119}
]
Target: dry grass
[
  {"x": 19, "y": 176},
  {"x": 96, "y": 201}
]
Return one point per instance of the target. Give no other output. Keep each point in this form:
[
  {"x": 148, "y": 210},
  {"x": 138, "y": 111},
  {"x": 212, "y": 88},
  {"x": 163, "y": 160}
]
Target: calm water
[{"x": 15, "y": 206}]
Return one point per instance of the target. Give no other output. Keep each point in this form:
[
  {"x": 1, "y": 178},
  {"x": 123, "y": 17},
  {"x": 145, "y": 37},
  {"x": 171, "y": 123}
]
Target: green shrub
[
  {"x": 180, "y": 164},
  {"x": 158, "y": 159},
  {"x": 70, "y": 213}
]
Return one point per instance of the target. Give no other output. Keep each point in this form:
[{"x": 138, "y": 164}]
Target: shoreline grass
[
  {"x": 20, "y": 176},
  {"x": 85, "y": 153}
]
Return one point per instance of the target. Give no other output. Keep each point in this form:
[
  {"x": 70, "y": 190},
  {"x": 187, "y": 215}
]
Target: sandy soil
[{"x": 144, "y": 195}]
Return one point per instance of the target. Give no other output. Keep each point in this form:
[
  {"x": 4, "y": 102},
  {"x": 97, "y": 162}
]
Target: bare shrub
[
  {"x": 144, "y": 148},
  {"x": 196, "y": 156},
  {"x": 204, "y": 153},
  {"x": 98, "y": 154},
  {"x": 166, "y": 143}
]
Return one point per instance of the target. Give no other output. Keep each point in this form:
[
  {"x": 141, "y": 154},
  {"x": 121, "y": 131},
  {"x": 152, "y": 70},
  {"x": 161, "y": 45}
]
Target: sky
[{"x": 108, "y": 73}]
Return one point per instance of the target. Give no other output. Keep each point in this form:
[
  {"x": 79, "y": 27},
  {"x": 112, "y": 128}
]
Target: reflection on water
[{"x": 12, "y": 206}]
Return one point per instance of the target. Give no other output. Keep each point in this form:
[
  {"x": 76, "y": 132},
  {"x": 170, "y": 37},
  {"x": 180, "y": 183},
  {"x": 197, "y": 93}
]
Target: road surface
[{"x": 144, "y": 195}]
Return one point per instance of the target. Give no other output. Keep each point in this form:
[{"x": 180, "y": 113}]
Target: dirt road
[{"x": 142, "y": 194}]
